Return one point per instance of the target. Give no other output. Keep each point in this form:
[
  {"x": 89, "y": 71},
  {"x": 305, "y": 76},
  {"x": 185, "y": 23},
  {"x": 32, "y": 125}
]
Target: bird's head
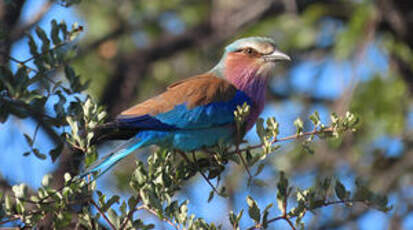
[
  {"x": 247, "y": 63},
  {"x": 250, "y": 56}
]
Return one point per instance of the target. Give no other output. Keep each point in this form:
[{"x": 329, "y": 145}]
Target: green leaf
[
  {"x": 59, "y": 105},
  {"x": 132, "y": 202},
  {"x": 273, "y": 127},
  {"x": 381, "y": 203},
  {"x": 67, "y": 177},
  {"x": 39, "y": 155},
  {"x": 8, "y": 204},
  {"x": 90, "y": 158},
  {"x": 113, "y": 217},
  {"x": 19, "y": 206},
  {"x": 122, "y": 208},
  {"x": 282, "y": 193},
  {"x": 20, "y": 191},
  {"x": 63, "y": 28},
  {"x": 110, "y": 202},
  {"x": 154, "y": 201},
  {"x": 183, "y": 212},
  {"x": 240, "y": 215},
  {"x": 253, "y": 210},
  {"x": 325, "y": 184},
  {"x": 46, "y": 180},
  {"x": 74, "y": 80},
  {"x": 55, "y": 32},
  {"x": 259, "y": 169},
  {"x": 235, "y": 219},
  {"x": 260, "y": 183},
  {"x": 341, "y": 192},
  {"x": 54, "y": 153},
  {"x": 211, "y": 196},
  {"x": 260, "y": 129},
  {"x": 32, "y": 46},
  {"x": 314, "y": 204},
  {"x": 265, "y": 215},
  {"x": 232, "y": 219},
  {"x": 315, "y": 119},
  {"x": 29, "y": 140},
  {"x": 299, "y": 125},
  {"x": 45, "y": 41}
]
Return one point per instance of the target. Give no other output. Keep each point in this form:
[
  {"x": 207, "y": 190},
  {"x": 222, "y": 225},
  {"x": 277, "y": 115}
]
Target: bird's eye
[{"x": 248, "y": 50}]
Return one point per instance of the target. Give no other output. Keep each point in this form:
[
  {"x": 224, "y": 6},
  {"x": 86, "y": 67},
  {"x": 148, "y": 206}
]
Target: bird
[{"x": 197, "y": 112}]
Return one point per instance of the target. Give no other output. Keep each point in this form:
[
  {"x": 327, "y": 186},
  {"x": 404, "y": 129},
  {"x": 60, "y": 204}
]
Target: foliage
[
  {"x": 21, "y": 95},
  {"x": 52, "y": 88}
]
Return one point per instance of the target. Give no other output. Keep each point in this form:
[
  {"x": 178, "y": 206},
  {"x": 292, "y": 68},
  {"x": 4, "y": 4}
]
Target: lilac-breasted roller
[{"x": 198, "y": 112}]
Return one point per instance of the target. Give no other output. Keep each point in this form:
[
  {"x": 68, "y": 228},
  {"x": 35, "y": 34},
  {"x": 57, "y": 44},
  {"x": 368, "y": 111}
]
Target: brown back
[{"x": 195, "y": 91}]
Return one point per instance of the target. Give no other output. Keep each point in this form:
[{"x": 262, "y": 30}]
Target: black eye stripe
[{"x": 247, "y": 50}]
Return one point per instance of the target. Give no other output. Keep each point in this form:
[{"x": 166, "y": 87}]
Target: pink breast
[{"x": 243, "y": 75}]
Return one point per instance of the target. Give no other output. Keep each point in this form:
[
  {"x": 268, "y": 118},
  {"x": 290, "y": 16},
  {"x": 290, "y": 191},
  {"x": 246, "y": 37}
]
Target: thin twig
[
  {"x": 199, "y": 169},
  {"x": 35, "y": 132},
  {"x": 285, "y": 213},
  {"x": 289, "y": 222},
  {"x": 275, "y": 219},
  {"x": 237, "y": 150},
  {"x": 103, "y": 214},
  {"x": 130, "y": 215},
  {"x": 45, "y": 52},
  {"x": 144, "y": 207},
  {"x": 292, "y": 137},
  {"x": 203, "y": 175},
  {"x": 19, "y": 62},
  {"x": 285, "y": 216},
  {"x": 24, "y": 62}
]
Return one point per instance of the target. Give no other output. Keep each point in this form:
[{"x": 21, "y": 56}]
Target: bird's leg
[{"x": 199, "y": 169}]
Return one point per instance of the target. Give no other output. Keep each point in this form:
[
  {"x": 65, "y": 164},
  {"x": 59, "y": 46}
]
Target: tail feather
[{"x": 109, "y": 160}]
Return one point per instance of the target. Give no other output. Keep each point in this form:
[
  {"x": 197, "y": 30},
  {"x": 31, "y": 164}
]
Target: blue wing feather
[{"x": 181, "y": 118}]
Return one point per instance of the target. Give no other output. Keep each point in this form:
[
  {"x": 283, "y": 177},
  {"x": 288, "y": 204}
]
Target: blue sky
[{"x": 305, "y": 79}]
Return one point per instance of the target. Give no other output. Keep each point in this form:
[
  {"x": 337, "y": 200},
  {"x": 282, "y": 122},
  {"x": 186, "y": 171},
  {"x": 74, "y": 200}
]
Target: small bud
[
  {"x": 20, "y": 191},
  {"x": 299, "y": 125},
  {"x": 46, "y": 180}
]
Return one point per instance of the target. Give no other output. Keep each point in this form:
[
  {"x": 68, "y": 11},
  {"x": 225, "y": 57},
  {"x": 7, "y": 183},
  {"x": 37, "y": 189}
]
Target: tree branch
[
  {"x": 144, "y": 207},
  {"x": 287, "y": 218},
  {"x": 130, "y": 215},
  {"x": 292, "y": 137},
  {"x": 102, "y": 213}
]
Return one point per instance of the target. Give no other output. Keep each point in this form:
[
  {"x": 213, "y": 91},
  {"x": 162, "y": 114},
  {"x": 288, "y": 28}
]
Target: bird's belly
[{"x": 190, "y": 139}]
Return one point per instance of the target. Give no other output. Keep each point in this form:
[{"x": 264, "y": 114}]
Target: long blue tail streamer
[{"x": 108, "y": 161}]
